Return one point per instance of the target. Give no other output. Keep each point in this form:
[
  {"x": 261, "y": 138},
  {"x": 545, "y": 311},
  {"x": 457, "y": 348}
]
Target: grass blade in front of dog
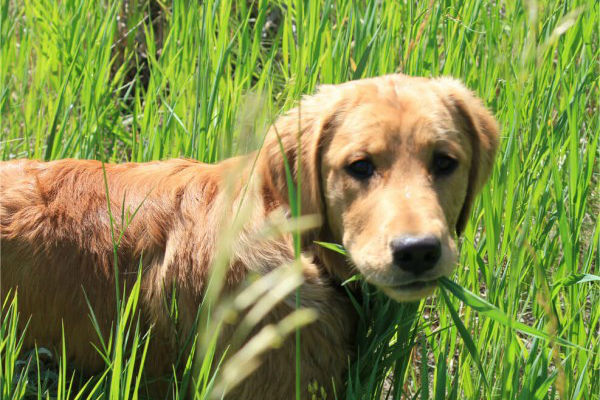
[{"x": 338, "y": 248}]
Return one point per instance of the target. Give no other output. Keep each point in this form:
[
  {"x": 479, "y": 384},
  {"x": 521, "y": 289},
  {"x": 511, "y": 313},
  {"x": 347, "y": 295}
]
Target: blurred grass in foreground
[{"x": 128, "y": 80}]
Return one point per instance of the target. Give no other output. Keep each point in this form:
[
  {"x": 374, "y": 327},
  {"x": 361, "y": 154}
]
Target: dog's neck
[{"x": 335, "y": 268}]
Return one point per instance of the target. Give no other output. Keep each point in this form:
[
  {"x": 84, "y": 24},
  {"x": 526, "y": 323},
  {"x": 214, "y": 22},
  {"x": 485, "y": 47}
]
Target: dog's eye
[
  {"x": 361, "y": 169},
  {"x": 443, "y": 165}
]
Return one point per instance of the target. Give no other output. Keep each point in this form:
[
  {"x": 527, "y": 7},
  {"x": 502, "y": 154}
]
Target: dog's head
[{"x": 392, "y": 164}]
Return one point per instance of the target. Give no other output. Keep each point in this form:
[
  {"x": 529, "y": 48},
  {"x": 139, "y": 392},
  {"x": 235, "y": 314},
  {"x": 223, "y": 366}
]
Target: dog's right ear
[{"x": 294, "y": 142}]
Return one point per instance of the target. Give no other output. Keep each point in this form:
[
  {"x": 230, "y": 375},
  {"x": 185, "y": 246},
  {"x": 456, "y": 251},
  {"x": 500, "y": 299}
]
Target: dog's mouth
[
  {"x": 415, "y": 285},
  {"x": 411, "y": 291}
]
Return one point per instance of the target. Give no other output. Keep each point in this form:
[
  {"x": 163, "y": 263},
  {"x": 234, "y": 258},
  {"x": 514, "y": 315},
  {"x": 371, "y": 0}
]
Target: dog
[{"x": 391, "y": 164}]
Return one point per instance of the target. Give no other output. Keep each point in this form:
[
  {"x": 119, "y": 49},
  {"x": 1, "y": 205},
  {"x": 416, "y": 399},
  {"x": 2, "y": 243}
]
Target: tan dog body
[{"x": 56, "y": 232}]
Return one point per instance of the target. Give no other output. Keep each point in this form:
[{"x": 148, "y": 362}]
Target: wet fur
[{"x": 57, "y": 243}]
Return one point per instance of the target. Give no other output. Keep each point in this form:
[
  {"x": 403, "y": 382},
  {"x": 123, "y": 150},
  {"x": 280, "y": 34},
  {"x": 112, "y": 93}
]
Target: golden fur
[{"x": 56, "y": 236}]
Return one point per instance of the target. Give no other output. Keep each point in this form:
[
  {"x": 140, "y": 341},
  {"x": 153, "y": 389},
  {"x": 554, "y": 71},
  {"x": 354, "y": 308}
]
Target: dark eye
[
  {"x": 443, "y": 165},
  {"x": 361, "y": 169}
]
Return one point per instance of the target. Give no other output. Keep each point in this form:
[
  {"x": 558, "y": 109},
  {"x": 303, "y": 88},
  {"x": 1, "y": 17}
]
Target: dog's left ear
[
  {"x": 482, "y": 129},
  {"x": 295, "y": 141}
]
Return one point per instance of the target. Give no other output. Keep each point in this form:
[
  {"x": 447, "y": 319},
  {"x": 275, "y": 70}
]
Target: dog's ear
[
  {"x": 482, "y": 129},
  {"x": 294, "y": 141}
]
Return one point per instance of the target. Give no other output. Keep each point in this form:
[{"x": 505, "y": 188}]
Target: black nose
[{"x": 416, "y": 254}]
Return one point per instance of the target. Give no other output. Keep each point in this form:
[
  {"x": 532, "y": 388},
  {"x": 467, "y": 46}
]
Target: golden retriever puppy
[{"x": 391, "y": 164}]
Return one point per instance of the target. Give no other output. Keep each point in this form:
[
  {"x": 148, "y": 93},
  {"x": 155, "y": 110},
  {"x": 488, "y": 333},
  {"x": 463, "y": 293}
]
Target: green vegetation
[{"x": 128, "y": 80}]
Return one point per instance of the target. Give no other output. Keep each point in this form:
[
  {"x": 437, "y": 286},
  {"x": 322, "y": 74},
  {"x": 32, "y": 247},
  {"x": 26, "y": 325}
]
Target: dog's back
[{"x": 58, "y": 241}]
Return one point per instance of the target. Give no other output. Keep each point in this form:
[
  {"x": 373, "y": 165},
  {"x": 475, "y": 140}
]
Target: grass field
[{"x": 128, "y": 80}]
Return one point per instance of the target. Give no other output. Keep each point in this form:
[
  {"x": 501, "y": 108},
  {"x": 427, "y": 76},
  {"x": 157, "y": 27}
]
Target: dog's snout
[{"x": 416, "y": 254}]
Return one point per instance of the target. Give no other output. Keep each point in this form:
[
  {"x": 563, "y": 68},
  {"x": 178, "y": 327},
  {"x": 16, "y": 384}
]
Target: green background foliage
[{"x": 133, "y": 80}]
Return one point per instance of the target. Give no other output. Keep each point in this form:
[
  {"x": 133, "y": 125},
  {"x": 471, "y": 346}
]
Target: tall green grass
[{"x": 128, "y": 80}]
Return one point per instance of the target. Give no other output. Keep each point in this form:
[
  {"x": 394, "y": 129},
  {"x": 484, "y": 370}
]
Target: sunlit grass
[{"x": 105, "y": 80}]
